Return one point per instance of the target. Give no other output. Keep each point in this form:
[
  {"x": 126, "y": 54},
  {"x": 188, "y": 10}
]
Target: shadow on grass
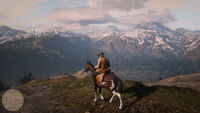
[{"x": 140, "y": 91}]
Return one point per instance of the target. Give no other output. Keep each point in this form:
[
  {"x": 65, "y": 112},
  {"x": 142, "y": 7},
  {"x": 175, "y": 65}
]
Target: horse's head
[{"x": 88, "y": 67}]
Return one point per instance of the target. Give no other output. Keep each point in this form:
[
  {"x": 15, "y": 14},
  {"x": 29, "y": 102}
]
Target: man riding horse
[
  {"x": 110, "y": 81},
  {"x": 102, "y": 68}
]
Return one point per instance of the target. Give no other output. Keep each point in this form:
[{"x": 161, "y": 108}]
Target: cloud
[
  {"x": 117, "y": 4},
  {"x": 149, "y": 16},
  {"x": 90, "y": 19},
  {"x": 61, "y": 27},
  {"x": 76, "y": 27},
  {"x": 18, "y": 8},
  {"x": 95, "y": 12},
  {"x": 91, "y": 15},
  {"x": 166, "y": 4},
  {"x": 2, "y": 16},
  {"x": 82, "y": 15}
]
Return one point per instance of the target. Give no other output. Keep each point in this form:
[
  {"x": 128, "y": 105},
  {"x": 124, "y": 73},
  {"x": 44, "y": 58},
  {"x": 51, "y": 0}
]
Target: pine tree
[
  {"x": 2, "y": 87},
  {"x": 27, "y": 77}
]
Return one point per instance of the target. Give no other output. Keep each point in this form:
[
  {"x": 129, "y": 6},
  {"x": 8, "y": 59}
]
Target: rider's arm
[{"x": 98, "y": 64}]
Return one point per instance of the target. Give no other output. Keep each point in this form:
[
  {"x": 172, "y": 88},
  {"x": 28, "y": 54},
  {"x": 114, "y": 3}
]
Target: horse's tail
[{"x": 120, "y": 85}]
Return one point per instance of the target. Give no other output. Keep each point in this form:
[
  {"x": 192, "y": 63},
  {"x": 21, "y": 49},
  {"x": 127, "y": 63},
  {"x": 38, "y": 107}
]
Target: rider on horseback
[{"x": 102, "y": 67}]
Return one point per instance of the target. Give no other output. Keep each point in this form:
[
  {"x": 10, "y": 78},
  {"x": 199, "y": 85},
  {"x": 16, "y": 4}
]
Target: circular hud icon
[{"x": 12, "y": 100}]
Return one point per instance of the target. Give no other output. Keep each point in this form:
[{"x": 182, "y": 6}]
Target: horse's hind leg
[
  {"x": 120, "y": 100},
  {"x": 119, "y": 96},
  {"x": 112, "y": 98},
  {"x": 102, "y": 98},
  {"x": 113, "y": 91}
]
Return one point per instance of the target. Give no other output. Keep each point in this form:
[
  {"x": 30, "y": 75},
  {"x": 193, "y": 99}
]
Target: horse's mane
[{"x": 91, "y": 64}]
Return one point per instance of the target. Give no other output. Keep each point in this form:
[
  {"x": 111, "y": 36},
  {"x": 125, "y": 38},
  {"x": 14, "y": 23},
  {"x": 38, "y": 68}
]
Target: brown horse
[{"x": 112, "y": 83}]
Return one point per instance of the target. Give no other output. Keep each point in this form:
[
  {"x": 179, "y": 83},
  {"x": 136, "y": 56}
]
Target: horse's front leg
[
  {"x": 95, "y": 98},
  {"x": 102, "y": 98}
]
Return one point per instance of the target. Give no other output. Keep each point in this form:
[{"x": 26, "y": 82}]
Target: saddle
[{"x": 100, "y": 77}]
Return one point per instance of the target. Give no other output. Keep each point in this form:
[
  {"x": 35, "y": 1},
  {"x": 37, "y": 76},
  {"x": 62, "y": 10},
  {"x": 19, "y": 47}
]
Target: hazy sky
[{"x": 98, "y": 15}]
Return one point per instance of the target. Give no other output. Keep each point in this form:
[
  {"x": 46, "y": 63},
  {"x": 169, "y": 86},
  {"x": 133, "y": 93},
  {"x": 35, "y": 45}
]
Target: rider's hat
[{"x": 100, "y": 54}]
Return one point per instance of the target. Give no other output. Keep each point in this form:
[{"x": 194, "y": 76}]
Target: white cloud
[
  {"x": 95, "y": 12},
  {"x": 116, "y": 4},
  {"x": 108, "y": 14},
  {"x": 61, "y": 27},
  {"x": 76, "y": 27},
  {"x": 83, "y": 15},
  {"x": 2, "y": 16},
  {"x": 18, "y": 8},
  {"x": 92, "y": 16},
  {"x": 149, "y": 16},
  {"x": 99, "y": 14}
]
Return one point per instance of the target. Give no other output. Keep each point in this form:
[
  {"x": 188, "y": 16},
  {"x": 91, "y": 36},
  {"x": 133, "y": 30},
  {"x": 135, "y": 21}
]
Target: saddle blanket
[{"x": 99, "y": 77}]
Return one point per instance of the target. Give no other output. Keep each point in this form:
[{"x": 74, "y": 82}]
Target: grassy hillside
[{"x": 76, "y": 96}]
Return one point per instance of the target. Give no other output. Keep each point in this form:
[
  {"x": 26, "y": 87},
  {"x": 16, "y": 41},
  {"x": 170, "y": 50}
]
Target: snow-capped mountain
[
  {"x": 150, "y": 36},
  {"x": 10, "y": 34},
  {"x": 7, "y": 34},
  {"x": 198, "y": 31},
  {"x": 154, "y": 26}
]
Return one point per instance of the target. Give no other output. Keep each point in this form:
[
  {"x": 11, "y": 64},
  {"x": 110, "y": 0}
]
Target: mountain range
[
  {"x": 149, "y": 52},
  {"x": 7, "y": 34}
]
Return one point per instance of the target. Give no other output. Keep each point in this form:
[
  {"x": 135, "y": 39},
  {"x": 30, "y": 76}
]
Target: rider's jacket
[{"x": 103, "y": 64}]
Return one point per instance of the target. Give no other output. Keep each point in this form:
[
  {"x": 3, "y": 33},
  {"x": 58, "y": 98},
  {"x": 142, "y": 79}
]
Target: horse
[{"x": 112, "y": 83}]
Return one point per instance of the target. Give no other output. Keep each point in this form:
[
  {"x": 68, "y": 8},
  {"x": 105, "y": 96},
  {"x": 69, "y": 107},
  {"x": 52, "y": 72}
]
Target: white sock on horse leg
[
  {"x": 120, "y": 100},
  {"x": 112, "y": 85},
  {"x": 95, "y": 98},
  {"x": 102, "y": 98},
  {"x": 112, "y": 96},
  {"x": 120, "y": 107}
]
